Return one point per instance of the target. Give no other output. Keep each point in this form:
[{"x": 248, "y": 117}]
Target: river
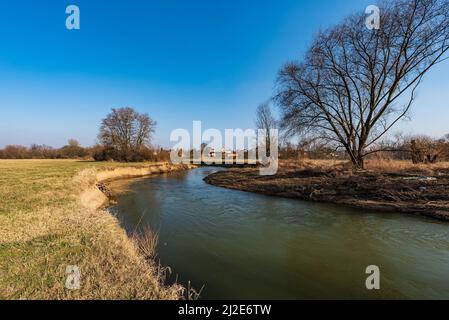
[{"x": 246, "y": 246}]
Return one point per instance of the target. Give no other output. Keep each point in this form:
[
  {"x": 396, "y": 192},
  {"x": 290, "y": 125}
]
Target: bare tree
[
  {"x": 126, "y": 131},
  {"x": 265, "y": 121},
  {"x": 355, "y": 84}
]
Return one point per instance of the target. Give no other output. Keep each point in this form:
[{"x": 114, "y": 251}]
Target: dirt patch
[{"x": 399, "y": 192}]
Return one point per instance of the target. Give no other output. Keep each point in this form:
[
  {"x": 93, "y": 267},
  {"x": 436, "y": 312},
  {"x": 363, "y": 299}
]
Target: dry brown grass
[
  {"x": 377, "y": 165},
  {"x": 393, "y": 186},
  {"x": 146, "y": 243},
  {"x": 385, "y": 165},
  {"x": 44, "y": 228}
]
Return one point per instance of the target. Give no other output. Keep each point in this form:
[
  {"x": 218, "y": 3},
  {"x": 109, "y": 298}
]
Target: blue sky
[{"x": 208, "y": 60}]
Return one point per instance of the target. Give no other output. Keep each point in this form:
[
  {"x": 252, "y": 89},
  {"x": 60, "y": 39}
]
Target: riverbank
[
  {"x": 392, "y": 187},
  {"x": 51, "y": 217}
]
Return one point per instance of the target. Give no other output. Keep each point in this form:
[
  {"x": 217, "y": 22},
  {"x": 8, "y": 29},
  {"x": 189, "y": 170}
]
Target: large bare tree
[
  {"x": 126, "y": 131},
  {"x": 355, "y": 84}
]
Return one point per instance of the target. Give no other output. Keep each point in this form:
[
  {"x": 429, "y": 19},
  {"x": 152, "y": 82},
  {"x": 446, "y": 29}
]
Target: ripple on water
[{"x": 243, "y": 245}]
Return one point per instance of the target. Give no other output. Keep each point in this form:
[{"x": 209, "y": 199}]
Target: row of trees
[
  {"x": 125, "y": 135},
  {"x": 418, "y": 149},
  {"x": 74, "y": 151},
  {"x": 355, "y": 84}
]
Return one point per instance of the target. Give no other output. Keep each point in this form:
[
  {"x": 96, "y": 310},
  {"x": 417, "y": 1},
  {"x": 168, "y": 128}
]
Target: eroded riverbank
[
  {"x": 46, "y": 226},
  {"x": 93, "y": 183},
  {"x": 409, "y": 193}
]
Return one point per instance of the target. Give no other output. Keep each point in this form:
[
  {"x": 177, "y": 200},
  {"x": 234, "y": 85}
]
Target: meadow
[{"x": 44, "y": 228}]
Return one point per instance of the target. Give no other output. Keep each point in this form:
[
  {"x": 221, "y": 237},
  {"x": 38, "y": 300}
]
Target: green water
[{"x": 246, "y": 246}]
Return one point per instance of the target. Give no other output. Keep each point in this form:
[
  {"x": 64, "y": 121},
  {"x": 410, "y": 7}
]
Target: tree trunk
[{"x": 358, "y": 162}]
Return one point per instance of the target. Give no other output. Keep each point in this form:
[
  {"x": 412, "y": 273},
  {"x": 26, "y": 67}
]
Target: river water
[{"x": 246, "y": 246}]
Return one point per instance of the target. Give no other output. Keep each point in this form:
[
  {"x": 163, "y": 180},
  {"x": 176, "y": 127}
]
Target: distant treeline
[
  {"x": 418, "y": 149},
  {"x": 73, "y": 150}
]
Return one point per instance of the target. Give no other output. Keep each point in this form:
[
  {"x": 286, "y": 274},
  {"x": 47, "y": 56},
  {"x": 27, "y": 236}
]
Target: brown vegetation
[
  {"x": 45, "y": 227},
  {"x": 416, "y": 149},
  {"x": 385, "y": 186},
  {"x": 74, "y": 151},
  {"x": 125, "y": 135}
]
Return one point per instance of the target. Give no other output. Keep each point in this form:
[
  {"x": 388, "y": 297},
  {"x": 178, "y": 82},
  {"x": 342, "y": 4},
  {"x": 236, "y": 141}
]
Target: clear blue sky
[{"x": 208, "y": 60}]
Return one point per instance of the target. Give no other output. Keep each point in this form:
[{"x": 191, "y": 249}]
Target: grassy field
[{"x": 44, "y": 229}]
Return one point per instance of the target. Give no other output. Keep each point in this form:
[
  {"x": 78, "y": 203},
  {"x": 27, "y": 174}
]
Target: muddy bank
[
  {"x": 94, "y": 195},
  {"x": 402, "y": 192}
]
